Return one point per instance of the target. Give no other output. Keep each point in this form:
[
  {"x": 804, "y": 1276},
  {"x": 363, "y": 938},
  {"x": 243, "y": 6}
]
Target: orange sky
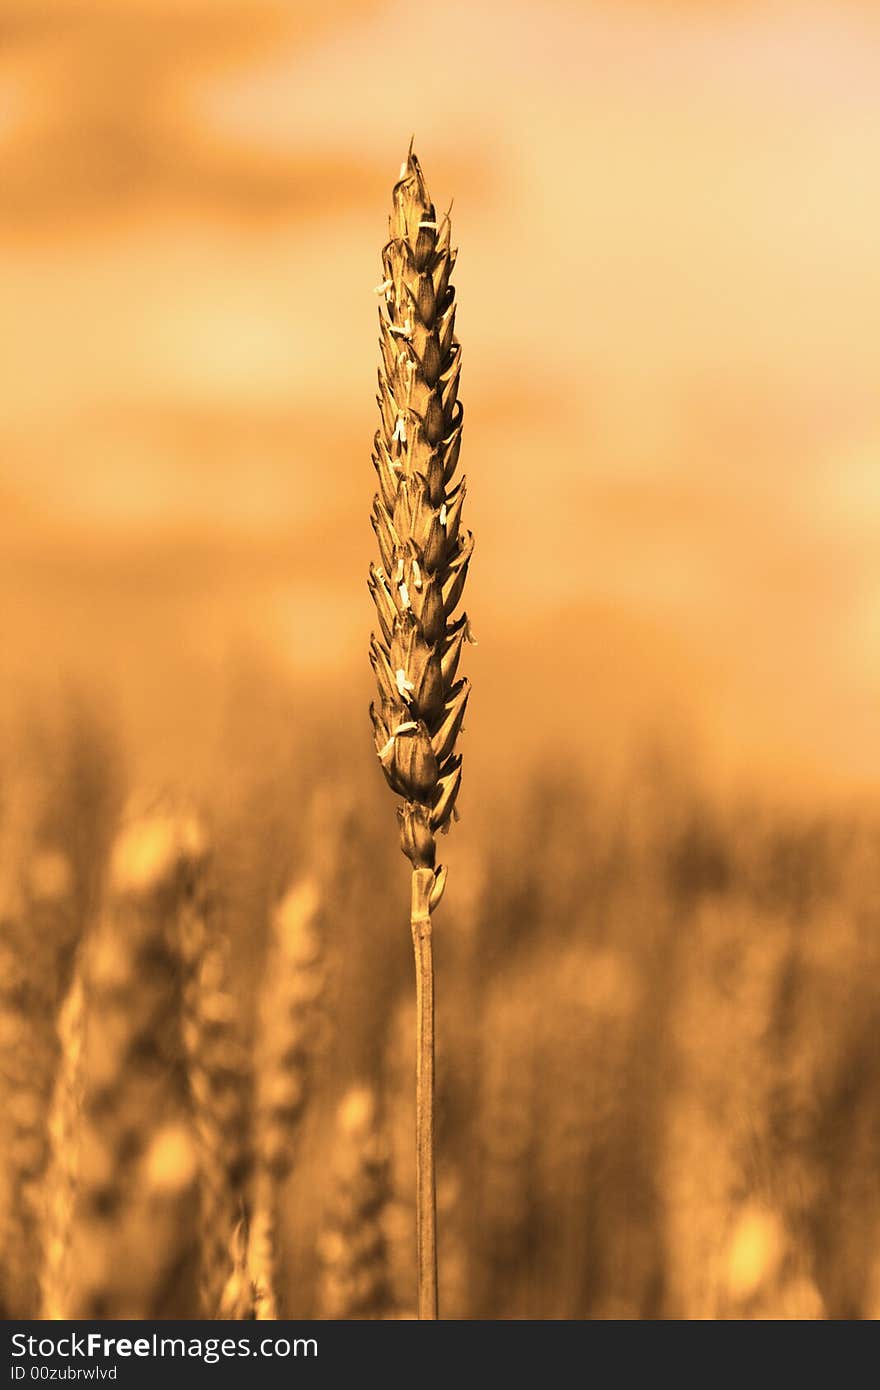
[{"x": 669, "y": 292}]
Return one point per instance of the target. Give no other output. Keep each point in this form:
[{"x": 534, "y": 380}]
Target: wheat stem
[{"x": 426, "y": 1186}]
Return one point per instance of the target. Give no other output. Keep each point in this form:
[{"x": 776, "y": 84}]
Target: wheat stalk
[{"x": 416, "y": 589}]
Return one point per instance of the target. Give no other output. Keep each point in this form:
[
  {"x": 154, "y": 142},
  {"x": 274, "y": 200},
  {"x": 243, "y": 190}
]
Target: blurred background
[{"x": 664, "y": 886}]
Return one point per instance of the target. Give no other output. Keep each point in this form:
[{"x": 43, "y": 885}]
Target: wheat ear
[{"x": 425, "y": 555}]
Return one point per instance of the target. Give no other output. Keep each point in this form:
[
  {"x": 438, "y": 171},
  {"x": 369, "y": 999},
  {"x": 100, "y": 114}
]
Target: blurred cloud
[{"x": 669, "y": 296}]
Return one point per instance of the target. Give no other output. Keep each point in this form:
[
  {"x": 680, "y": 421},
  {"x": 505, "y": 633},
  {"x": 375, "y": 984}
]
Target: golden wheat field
[
  {"x": 657, "y": 1071},
  {"x": 657, "y": 957}
]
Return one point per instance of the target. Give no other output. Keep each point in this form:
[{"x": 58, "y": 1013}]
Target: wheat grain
[{"x": 425, "y": 555}]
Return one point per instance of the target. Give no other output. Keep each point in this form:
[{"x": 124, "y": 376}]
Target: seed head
[{"x": 416, "y": 517}]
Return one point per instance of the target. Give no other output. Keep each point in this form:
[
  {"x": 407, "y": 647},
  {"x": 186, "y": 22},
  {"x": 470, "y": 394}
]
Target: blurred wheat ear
[
  {"x": 416, "y": 589},
  {"x": 237, "y": 1300},
  {"x": 123, "y": 1090},
  {"x": 288, "y": 1014},
  {"x": 37, "y": 925},
  {"x": 355, "y": 1280},
  {"x": 61, "y": 1175},
  {"x": 219, "y": 1076}
]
